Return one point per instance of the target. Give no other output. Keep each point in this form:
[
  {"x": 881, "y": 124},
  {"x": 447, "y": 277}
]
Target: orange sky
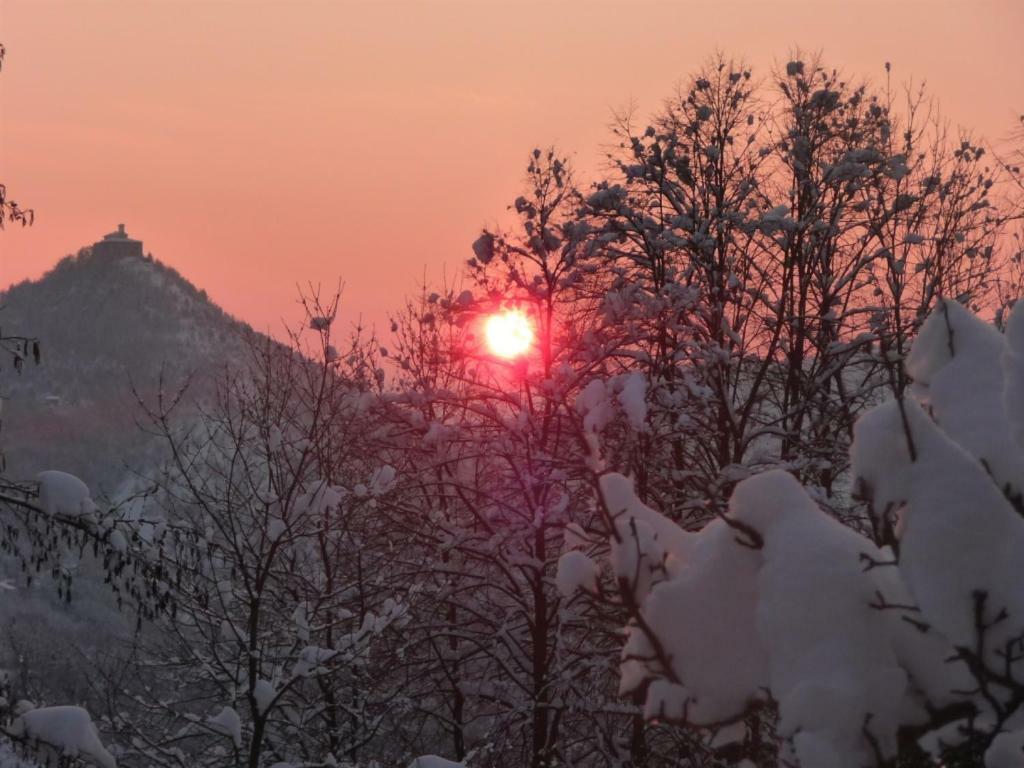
[{"x": 257, "y": 145}]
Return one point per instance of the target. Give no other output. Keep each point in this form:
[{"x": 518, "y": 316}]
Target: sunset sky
[{"x": 255, "y": 146}]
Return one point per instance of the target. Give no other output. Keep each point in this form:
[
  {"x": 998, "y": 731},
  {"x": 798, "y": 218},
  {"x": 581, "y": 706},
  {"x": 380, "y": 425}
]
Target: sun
[{"x": 509, "y": 333}]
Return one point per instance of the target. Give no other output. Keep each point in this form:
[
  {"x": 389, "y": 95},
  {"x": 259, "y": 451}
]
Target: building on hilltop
[{"x": 118, "y": 245}]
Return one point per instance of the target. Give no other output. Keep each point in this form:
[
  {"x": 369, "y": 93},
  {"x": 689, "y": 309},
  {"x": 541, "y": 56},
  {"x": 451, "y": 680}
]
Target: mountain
[{"x": 108, "y": 320}]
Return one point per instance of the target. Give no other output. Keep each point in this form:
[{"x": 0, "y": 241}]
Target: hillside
[{"x": 106, "y": 323}]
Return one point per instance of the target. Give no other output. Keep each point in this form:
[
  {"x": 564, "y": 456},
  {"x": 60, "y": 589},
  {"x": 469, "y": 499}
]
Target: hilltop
[{"x": 107, "y": 322}]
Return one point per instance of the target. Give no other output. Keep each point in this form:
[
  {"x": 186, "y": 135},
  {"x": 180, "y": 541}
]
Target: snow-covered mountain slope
[{"x": 105, "y": 325}]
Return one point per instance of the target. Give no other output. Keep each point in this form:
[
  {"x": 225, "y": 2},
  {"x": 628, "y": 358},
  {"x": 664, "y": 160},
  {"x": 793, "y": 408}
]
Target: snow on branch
[{"x": 856, "y": 659}]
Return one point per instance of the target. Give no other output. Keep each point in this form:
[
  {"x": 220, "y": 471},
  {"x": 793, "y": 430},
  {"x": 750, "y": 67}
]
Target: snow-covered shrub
[{"x": 865, "y": 650}]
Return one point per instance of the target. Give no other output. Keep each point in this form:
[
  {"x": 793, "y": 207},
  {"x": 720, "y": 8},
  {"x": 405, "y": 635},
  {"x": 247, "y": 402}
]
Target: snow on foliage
[
  {"x": 859, "y": 644},
  {"x": 264, "y": 694},
  {"x": 632, "y": 399},
  {"x": 382, "y": 480},
  {"x": 576, "y": 572},
  {"x": 228, "y": 723},
  {"x": 600, "y": 400},
  {"x": 320, "y": 322},
  {"x": 64, "y": 495},
  {"x": 63, "y": 732},
  {"x": 1006, "y": 751},
  {"x": 956, "y": 364},
  {"x": 321, "y": 499},
  {"x": 960, "y": 539}
]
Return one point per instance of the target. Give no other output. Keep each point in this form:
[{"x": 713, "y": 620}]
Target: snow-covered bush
[{"x": 864, "y": 649}]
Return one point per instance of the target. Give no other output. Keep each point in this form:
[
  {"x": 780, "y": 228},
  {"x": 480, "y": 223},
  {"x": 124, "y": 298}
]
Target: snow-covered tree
[
  {"x": 490, "y": 451},
  {"x": 868, "y": 650},
  {"x": 282, "y": 638},
  {"x": 771, "y": 248}
]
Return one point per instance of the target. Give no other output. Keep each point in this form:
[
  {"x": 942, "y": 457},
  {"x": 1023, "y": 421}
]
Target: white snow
[
  {"x": 618, "y": 495},
  {"x": 301, "y": 621},
  {"x": 264, "y": 693},
  {"x": 576, "y": 572},
  {"x": 8, "y": 759},
  {"x": 227, "y": 722},
  {"x": 382, "y": 480},
  {"x": 311, "y": 660},
  {"x": 851, "y": 640},
  {"x": 599, "y": 401},
  {"x": 63, "y": 494},
  {"x": 592, "y": 403},
  {"x": 275, "y": 528},
  {"x": 68, "y": 730},
  {"x": 320, "y": 499},
  {"x": 118, "y": 541},
  {"x": 958, "y": 534},
  {"x": 794, "y": 617},
  {"x": 1006, "y": 751},
  {"x": 632, "y": 397},
  {"x": 957, "y": 366},
  {"x": 320, "y": 322}
]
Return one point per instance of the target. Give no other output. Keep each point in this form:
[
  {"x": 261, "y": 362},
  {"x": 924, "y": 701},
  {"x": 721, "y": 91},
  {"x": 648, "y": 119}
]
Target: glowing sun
[{"x": 509, "y": 333}]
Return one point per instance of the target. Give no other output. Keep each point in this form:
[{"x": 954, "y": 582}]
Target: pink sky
[{"x": 257, "y": 145}]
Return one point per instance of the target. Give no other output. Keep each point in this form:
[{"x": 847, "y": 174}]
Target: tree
[
  {"x": 869, "y": 652},
  {"x": 772, "y": 250},
  {"x": 492, "y": 473},
  {"x": 286, "y": 619},
  {"x": 731, "y": 300}
]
